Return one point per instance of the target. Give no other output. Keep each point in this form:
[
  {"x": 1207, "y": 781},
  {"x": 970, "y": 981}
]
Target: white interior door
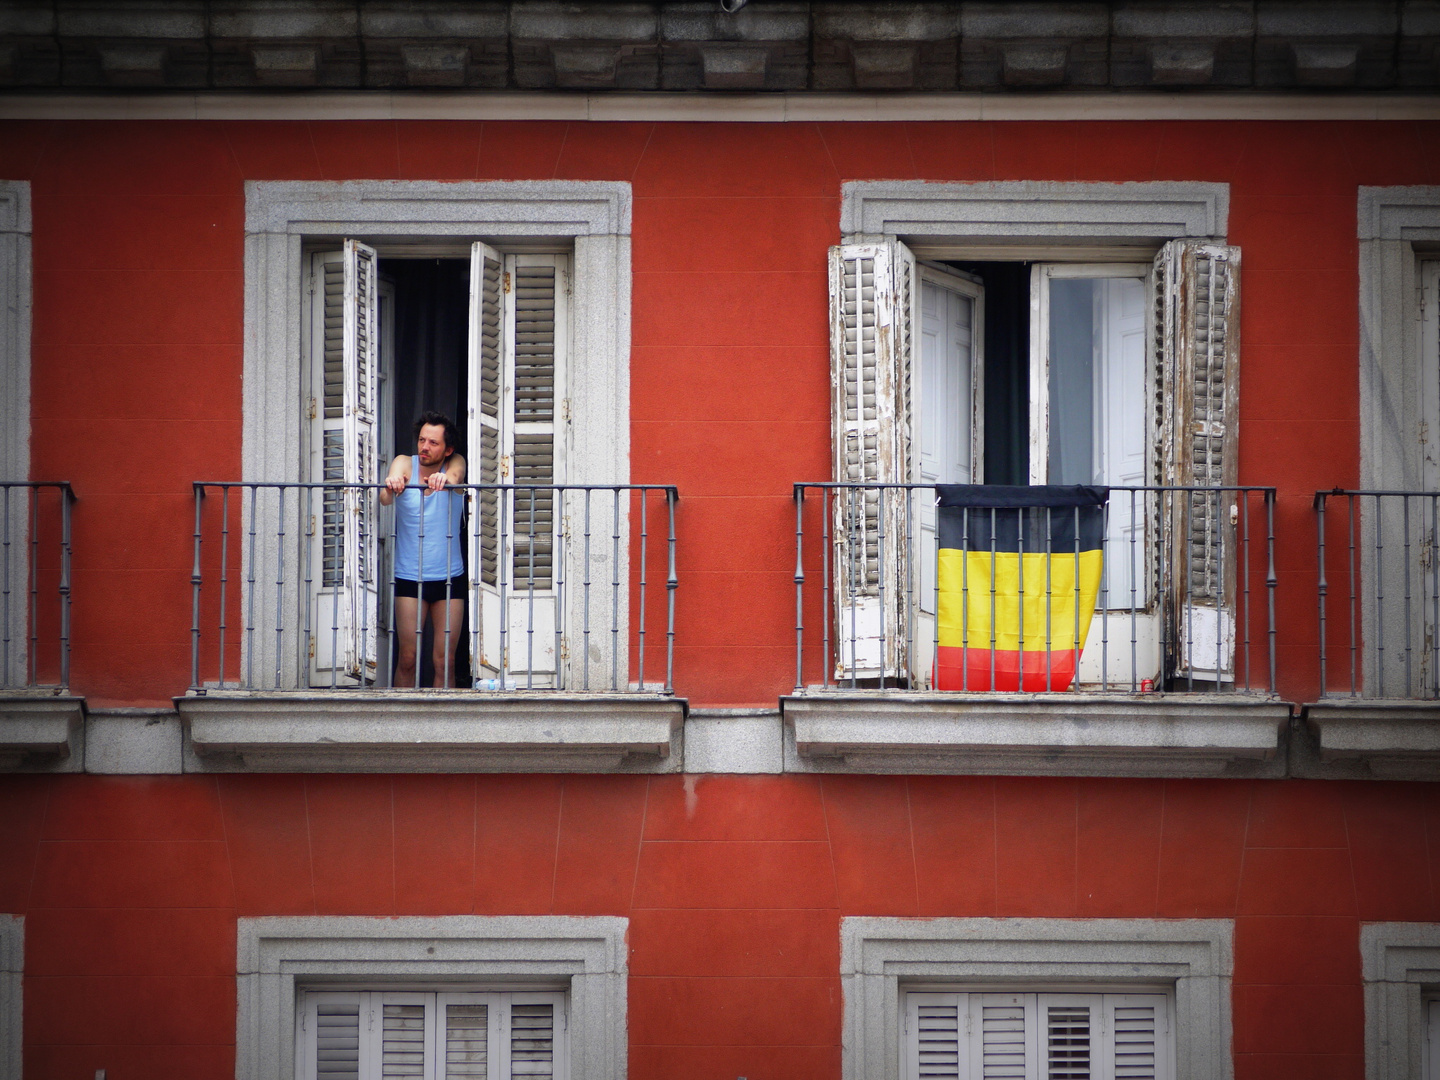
[
  {"x": 1091, "y": 424},
  {"x": 948, "y": 440}
]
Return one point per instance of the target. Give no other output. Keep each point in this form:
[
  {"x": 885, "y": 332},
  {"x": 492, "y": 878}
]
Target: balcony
[
  {"x": 40, "y": 722},
  {"x": 562, "y": 637},
  {"x": 1174, "y": 676},
  {"x": 1378, "y": 612}
]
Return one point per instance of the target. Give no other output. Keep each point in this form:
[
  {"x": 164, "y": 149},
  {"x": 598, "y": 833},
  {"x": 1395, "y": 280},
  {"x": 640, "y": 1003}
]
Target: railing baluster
[
  {"x": 672, "y": 584},
  {"x": 799, "y": 587},
  {"x": 615, "y": 590},
  {"x": 644, "y": 545},
  {"x": 1323, "y": 584}
]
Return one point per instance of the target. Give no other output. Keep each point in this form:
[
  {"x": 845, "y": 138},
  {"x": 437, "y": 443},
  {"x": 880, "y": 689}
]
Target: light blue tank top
[{"x": 442, "y": 511}]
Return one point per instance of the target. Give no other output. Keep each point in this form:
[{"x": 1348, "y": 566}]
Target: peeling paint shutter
[
  {"x": 872, "y": 293},
  {"x": 1005, "y": 1048},
  {"x": 361, "y": 409},
  {"x": 1197, "y": 335},
  {"x": 466, "y": 1026},
  {"x": 483, "y": 438},
  {"x": 532, "y": 1039},
  {"x": 406, "y": 1036}
]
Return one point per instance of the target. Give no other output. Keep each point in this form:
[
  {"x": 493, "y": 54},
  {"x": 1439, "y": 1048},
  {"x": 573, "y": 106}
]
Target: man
[{"x": 429, "y": 567}]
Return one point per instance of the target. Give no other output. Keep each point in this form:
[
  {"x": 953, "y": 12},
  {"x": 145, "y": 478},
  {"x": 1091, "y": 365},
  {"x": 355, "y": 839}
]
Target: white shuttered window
[
  {"x": 987, "y": 1035},
  {"x": 519, "y": 345},
  {"x": 392, "y": 1034},
  {"x": 344, "y": 342}
]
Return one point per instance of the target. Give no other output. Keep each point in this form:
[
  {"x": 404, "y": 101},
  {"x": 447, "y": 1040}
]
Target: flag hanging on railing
[{"x": 1005, "y": 551}]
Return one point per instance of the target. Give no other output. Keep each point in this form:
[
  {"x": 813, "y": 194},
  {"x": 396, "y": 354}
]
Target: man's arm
[
  {"x": 453, "y": 473},
  {"x": 396, "y": 480}
]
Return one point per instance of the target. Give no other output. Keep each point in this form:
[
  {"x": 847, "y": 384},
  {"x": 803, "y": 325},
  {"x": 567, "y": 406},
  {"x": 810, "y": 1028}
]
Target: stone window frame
[
  {"x": 12, "y": 978},
  {"x": 282, "y": 217},
  {"x": 1398, "y": 963},
  {"x": 277, "y": 954},
  {"x": 881, "y": 955}
]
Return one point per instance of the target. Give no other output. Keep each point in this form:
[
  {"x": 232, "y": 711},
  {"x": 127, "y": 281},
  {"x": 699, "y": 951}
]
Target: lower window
[
  {"x": 1058, "y": 1035},
  {"x": 439, "y": 1035}
]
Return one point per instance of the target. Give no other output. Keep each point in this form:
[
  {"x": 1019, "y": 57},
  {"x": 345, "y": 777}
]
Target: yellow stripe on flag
[{"x": 1049, "y": 597}]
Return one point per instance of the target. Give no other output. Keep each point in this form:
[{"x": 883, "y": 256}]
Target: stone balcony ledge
[
  {"x": 41, "y": 728},
  {"x": 1065, "y": 734},
  {"x": 1388, "y": 738},
  {"x": 431, "y": 731}
]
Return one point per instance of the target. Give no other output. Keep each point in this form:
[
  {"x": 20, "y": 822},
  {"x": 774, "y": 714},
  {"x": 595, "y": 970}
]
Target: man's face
[{"x": 430, "y": 447}]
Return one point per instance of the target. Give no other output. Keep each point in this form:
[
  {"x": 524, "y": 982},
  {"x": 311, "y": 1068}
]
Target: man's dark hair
[{"x": 437, "y": 419}]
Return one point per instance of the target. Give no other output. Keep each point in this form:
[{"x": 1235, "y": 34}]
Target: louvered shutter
[
  {"x": 344, "y": 350},
  {"x": 407, "y": 1035},
  {"x": 1070, "y": 1027},
  {"x": 872, "y": 293},
  {"x": 487, "y": 317},
  {"x": 935, "y": 1037},
  {"x": 1197, "y": 342},
  {"x": 469, "y": 1025},
  {"x": 1137, "y": 1042},
  {"x": 328, "y": 1043},
  {"x": 517, "y": 417},
  {"x": 1003, "y": 1045},
  {"x": 536, "y": 1036}
]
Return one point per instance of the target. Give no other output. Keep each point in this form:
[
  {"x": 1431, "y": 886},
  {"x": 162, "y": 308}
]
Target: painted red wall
[
  {"x": 138, "y": 324},
  {"x": 734, "y": 887}
]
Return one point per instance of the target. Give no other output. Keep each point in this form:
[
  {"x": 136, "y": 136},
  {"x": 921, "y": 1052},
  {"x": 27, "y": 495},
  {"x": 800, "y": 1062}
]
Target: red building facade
[{"x": 751, "y": 875}]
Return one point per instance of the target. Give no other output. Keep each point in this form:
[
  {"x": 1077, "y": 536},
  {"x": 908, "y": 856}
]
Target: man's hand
[
  {"x": 396, "y": 484},
  {"x": 436, "y": 480}
]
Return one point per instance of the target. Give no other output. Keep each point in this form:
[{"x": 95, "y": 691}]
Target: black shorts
[{"x": 432, "y": 592}]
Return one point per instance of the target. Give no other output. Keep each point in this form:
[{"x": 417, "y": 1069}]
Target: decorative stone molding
[
  {"x": 1035, "y": 734},
  {"x": 431, "y": 731},
  {"x": 1397, "y": 962},
  {"x": 878, "y": 955},
  {"x": 1029, "y": 210},
  {"x": 276, "y": 955}
]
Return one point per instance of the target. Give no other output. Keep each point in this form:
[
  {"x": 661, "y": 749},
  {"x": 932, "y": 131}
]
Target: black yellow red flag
[{"x": 1019, "y": 574}]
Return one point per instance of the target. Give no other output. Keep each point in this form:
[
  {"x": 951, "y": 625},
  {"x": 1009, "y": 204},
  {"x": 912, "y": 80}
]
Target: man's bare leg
[
  {"x": 443, "y": 652},
  {"x": 406, "y": 610}
]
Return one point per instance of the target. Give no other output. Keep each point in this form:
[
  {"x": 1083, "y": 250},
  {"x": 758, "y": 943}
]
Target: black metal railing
[
  {"x": 1378, "y": 557},
  {"x": 35, "y": 567},
  {"x": 1177, "y": 606},
  {"x": 292, "y": 588}
]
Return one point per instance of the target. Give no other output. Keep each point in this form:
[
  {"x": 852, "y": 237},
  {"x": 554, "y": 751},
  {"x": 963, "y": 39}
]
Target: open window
[
  {"x": 1113, "y": 372},
  {"x": 507, "y": 326}
]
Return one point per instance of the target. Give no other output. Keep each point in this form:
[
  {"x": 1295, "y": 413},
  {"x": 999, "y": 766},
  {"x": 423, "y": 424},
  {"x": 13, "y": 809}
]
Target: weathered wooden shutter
[
  {"x": 1005, "y": 1048},
  {"x": 1197, "y": 342},
  {"x": 487, "y": 329},
  {"x": 469, "y": 1026},
  {"x": 1070, "y": 1029},
  {"x": 872, "y": 293},
  {"x": 534, "y": 1020},
  {"x": 344, "y": 347},
  {"x": 407, "y": 1035},
  {"x": 362, "y": 406},
  {"x": 519, "y": 337}
]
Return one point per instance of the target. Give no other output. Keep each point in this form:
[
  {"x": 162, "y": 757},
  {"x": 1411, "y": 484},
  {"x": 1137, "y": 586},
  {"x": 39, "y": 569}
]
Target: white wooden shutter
[
  {"x": 361, "y": 391},
  {"x": 535, "y": 1036},
  {"x": 469, "y": 1026},
  {"x": 345, "y": 572},
  {"x": 935, "y": 1037},
  {"x": 872, "y": 296},
  {"x": 1197, "y": 337},
  {"x": 483, "y": 437},
  {"x": 1070, "y": 1028},
  {"x": 1006, "y": 1047},
  {"x": 406, "y": 1035},
  {"x": 327, "y": 1046},
  {"x": 519, "y": 341},
  {"x": 1137, "y": 1044}
]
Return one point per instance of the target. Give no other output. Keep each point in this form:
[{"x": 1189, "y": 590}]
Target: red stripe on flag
[{"x": 970, "y": 669}]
